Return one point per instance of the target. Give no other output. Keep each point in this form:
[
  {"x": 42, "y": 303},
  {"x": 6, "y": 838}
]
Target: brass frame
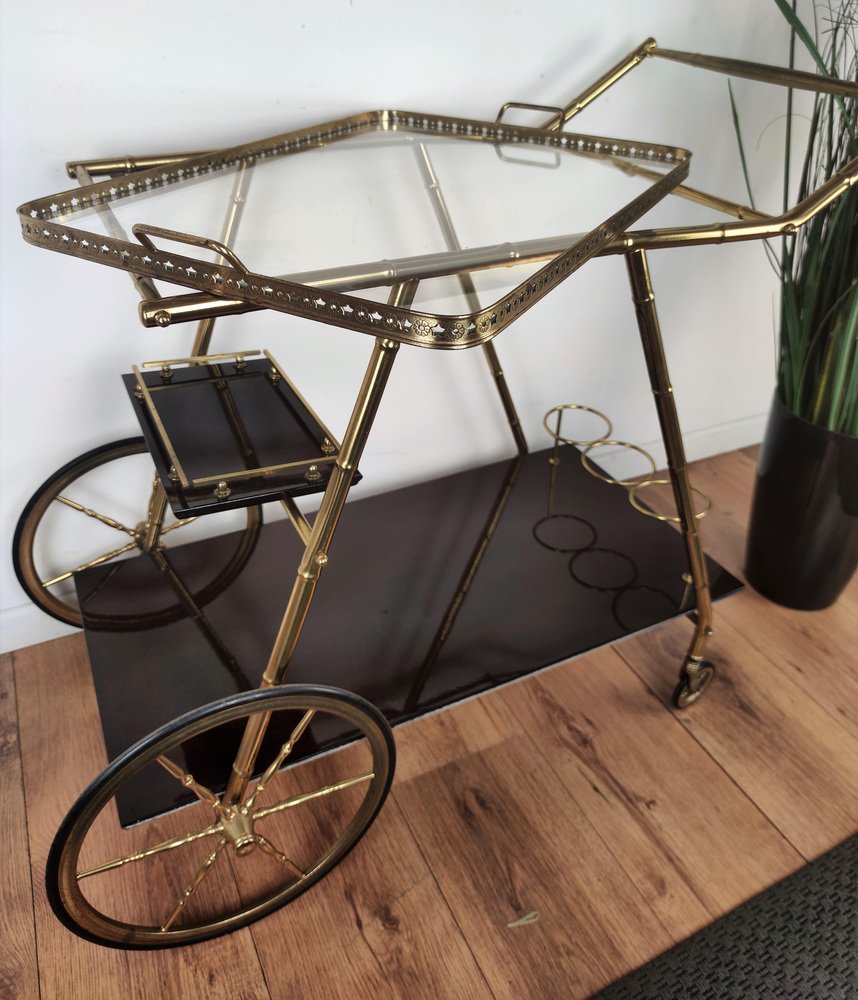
[{"x": 227, "y": 287}]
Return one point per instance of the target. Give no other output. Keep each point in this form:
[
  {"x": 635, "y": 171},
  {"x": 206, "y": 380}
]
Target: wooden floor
[{"x": 577, "y": 794}]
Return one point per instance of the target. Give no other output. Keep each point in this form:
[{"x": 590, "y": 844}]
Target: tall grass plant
[{"x": 817, "y": 356}]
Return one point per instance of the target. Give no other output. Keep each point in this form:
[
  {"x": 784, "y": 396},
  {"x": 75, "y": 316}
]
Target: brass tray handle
[
  {"x": 554, "y": 162},
  {"x": 143, "y": 233},
  {"x": 527, "y": 107}
]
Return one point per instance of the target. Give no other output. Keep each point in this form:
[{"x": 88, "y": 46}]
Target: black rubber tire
[
  {"x": 23, "y": 545},
  {"x": 62, "y": 881}
]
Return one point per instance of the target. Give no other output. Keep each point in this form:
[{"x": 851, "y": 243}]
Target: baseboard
[
  {"x": 704, "y": 443},
  {"x": 26, "y": 625}
]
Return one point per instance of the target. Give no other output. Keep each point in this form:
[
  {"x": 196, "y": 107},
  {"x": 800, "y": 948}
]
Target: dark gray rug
[{"x": 795, "y": 941}]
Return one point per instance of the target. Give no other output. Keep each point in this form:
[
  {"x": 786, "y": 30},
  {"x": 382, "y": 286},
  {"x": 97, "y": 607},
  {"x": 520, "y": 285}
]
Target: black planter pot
[{"x": 803, "y": 534}]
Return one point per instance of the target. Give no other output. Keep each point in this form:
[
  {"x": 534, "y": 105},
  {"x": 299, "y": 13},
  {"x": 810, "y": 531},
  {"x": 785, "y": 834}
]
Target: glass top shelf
[{"x": 489, "y": 216}]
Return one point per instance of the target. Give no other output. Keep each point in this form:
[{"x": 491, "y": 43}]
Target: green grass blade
[{"x": 738, "y": 131}]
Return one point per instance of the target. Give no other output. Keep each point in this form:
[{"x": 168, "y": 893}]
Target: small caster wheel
[{"x": 685, "y": 694}]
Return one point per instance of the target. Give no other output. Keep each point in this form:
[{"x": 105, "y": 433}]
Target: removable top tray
[
  {"x": 226, "y": 432},
  {"x": 321, "y": 221}
]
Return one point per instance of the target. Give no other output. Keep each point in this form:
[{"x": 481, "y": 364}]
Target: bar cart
[{"x": 233, "y": 809}]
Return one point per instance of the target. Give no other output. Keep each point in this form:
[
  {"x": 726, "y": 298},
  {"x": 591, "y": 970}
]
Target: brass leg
[
  {"x": 466, "y": 283},
  {"x": 155, "y": 517},
  {"x": 465, "y": 581},
  {"x": 205, "y": 328},
  {"x": 493, "y": 360},
  {"x": 316, "y": 553},
  {"x": 696, "y": 672},
  {"x": 200, "y": 619}
]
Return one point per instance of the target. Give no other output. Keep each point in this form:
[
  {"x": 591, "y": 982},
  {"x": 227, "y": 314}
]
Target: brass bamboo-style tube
[
  {"x": 662, "y": 390},
  {"x": 464, "y": 585},
  {"x": 200, "y": 619},
  {"x": 316, "y": 553},
  {"x": 797, "y": 79},
  {"x": 725, "y": 205},
  {"x": 154, "y": 516},
  {"x": 297, "y": 519},
  {"x": 182, "y": 308},
  {"x": 718, "y": 64},
  {"x": 731, "y": 232},
  {"x": 108, "y": 166},
  {"x": 205, "y": 328},
  {"x": 577, "y": 104},
  {"x": 466, "y": 282}
]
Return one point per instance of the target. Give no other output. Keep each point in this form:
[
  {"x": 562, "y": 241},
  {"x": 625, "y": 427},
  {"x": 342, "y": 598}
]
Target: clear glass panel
[{"x": 388, "y": 195}]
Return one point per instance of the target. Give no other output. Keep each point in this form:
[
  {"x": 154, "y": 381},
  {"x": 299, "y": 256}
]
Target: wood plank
[
  {"x": 62, "y": 749},
  {"x": 433, "y": 740},
  {"x": 504, "y": 838},
  {"x": 815, "y": 649},
  {"x": 795, "y": 761},
  {"x": 377, "y": 926},
  {"x": 18, "y": 959},
  {"x": 690, "y": 840}
]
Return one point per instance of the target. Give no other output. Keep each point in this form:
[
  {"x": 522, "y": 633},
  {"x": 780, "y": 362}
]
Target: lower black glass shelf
[{"x": 434, "y": 593}]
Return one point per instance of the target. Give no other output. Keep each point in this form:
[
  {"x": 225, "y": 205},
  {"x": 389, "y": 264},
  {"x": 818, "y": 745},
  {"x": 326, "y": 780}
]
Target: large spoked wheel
[
  {"x": 204, "y": 869},
  {"x": 94, "y": 512}
]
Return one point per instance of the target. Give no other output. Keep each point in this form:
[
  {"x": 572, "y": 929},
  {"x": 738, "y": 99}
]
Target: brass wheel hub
[{"x": 238, "y": 826}]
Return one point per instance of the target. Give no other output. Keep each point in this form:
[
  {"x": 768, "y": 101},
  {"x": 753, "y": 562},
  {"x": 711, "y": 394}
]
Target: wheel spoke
[
  {"x": 204, "y": 869},
  {"x": 109, "y": 521},
  {"x": 270, "y": 849},
  {"x": 166, "y": 845},
  {"x": 178, "y": 524},
  {"x": 77, "y": 493},
  {"x": 88, "y": 565},
  {"x": 298, "y": 800},
  {"x": 279, "y": 760},
  {"x": 202, "y": 793}
]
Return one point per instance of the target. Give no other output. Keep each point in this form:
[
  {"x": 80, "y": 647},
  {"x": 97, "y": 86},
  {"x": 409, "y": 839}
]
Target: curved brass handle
[
  {"x": 555, "y": 159},
  {"x": 143, "y": 232},
  {"x": 527, "y": 107}
]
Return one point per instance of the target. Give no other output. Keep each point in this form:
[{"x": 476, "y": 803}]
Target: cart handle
[
  {"x": 143, "y": 232},
  {"x": 526, "y": 107}
]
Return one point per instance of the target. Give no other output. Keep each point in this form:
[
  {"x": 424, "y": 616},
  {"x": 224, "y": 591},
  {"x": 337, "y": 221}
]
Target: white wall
[{"x": 89, "y": 79}]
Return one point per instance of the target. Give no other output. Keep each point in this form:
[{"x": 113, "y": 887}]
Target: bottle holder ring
[
  {"x": 558, "y": 438},
  {"x": 603, "y": 476},
  {"x": 673, "y": 518},
  {"x": 633, "y": 485}
]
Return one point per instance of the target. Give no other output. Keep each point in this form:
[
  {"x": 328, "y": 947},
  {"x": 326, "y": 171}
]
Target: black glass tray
[{"x": 225, "y": 435}]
